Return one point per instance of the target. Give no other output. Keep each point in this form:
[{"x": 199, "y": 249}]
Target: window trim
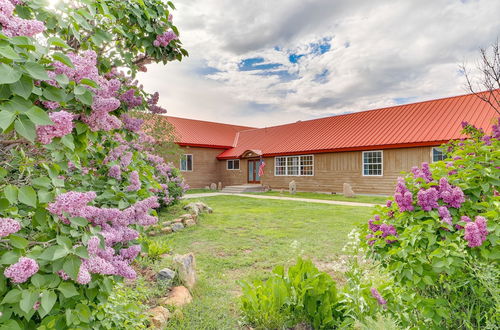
[
  {"x": 299, "y": 165},
  {"x": 192, "y": 163},
  {"x": 432, "y": 155},
  {"x": 233, "y": 169},
  {"x": 381, "y": 163}
]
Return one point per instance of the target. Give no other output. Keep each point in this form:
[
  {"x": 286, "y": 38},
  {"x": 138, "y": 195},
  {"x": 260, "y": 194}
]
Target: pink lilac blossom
[
  {"x": 115, "y": 154},
  {"x": 476, "y": 232},
  {"x": 51, "y": 105},
  {"x": 13, "y": 26},
  {"x": 8, "y": 226},
  {"x": 132, "y": 124},
  {"x": 445, "y": 215},
  {"x": 162, "y": 40},
  {"x": 374, "y": 227},
  {"x": 424, "y": 173},
  {"x": 388, "y": 203},
  {"x": 62, "y": 274},
  {"x": 72, "y": 203},
  {"x": 403, "y": 197},
  {"x": 453, "y": 196},
  {"x": 22, "y": 270},
  {"x": 130, "y": 99},
  {"x": 376, "y": 295},
  {"x": 126, "y": 159},
  {"x": 115, "y": 172},
  {"x": 84, "y": 276},
  {"x": 36, "y": 305},
  {"x": 427, "y": 199},
  {"x": 63, "y": 125},
  {"x": 496, "y": 130}
]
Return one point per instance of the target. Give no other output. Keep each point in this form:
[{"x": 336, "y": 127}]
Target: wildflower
[
  {"x": 376, "y": 295},
  {"x": 63, "y": 125},
  {"x": 8, "y": 226},
  {"x": 22, "y": 270}
]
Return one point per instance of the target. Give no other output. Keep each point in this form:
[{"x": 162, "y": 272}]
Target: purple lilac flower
[
  {"x": 496, "y": 130},
  {"x": 476, "y": 232},
  {"x": 388, "y": 203},
  {"x": 8, "y": 226},
  {"x": 84, "y": 276},
  {"x": 22, "y": 270},
  {"x": 135, "y": 183},
  {"x": 424, "y": 173},
  {"x": 427, "y": 199},
  {"x": 445, "y": 215},
  {"x": 115, "y": 172},
  {"x": 130, "y": 99},
  {"x": 487, "y": 140},
  {"x": 376, "y": 295},
  {"x": 374, "y": 227},
  {"x": 71, "y": 203},
  {"x": 63, "y": 125},
  {"x": 132, "y": 124},
  {"x": 162, "y": 40},
  {"x": 453, "y": 196},
  {"x": 126, "y": 159},
  {"x": 13, "y": 26},
  {"x": 403, "y": 197}
]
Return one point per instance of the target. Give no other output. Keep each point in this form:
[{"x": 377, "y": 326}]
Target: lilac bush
[
  {"x": 438, "y": 237},
  {"x": 80, "y": 177}
]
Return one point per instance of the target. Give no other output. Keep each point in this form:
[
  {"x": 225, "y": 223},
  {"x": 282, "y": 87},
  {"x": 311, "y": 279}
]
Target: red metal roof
[
  {"x": 419, "y": 124},
  {"x": 198, "y": 133}
]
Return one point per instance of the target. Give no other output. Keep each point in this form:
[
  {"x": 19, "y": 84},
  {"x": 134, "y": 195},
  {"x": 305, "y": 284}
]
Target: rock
[
  {"x": 219, "y": 186},
  {"x": 178, "y": 296},
  {"x": 166, "y": 230},
  {"x": 267, "y": 188},
  {"x": 209, "y": 210},
  {"x": 159, "y": 316},
  {"x": 347, "y": 190},
  {"x": 177, "y": 220},
  {"x": 167, "y": 223},
  {"x": 186, "y": 216},
  {"x": 292, "y": 187},
  {"x": 186, "y": 269},
  {"x": 213, "y": 186},
  {"x": 177, "y": 226},
  {"x": 193, "y": 208},
  {"x": 189, "y": 223},
  {"x": 166, "y": 274}
]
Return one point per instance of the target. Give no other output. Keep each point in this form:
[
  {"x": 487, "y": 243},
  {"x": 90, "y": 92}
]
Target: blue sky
[{"x": 272, "y": 62}]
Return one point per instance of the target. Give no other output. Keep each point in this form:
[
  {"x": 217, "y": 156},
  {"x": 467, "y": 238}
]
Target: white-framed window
[
  {"x": 233, "y": 164},
  {"x": 373, "y": 163},
  {"x": 437, "y": 154},
  {"x": 294, "y": 165},
  {"x": 186, "y": 162}
]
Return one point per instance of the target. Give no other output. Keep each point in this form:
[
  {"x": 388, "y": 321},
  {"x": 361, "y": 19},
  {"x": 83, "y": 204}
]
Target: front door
[{"x": 253, "y": 171}]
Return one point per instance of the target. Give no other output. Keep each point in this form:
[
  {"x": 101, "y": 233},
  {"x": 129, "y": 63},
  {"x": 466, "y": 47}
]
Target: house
[{"x": 367, "y": 149}]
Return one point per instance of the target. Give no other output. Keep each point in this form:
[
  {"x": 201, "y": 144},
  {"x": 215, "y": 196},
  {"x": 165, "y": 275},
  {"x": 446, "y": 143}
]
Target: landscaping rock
[
  {"x": 177, "y": 226},
  {"x": 186, "y": 216},
  {"x": 219, "y": 186},
  {"x": 178, "y": 297},
  {"x": 166, "y": 230},
  {"x": 347, "y": 190},
  {"x": 189, "y": 223},
  {"x": 159, "y": 316},
  {"x": 292, "y": 187},
  {"x": 213, "y": 186},
  {"x": 177, "y": 220},
  {"x": 186, "y": 269},
  {"x": 166, "y": 274},
  {"x": 197, "y": 208},
  {"x": 167, "y": 223}
]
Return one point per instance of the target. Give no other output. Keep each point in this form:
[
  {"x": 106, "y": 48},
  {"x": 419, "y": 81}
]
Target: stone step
[{"x": 242, "y": 189}]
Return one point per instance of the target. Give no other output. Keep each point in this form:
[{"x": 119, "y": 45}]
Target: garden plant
[{"x": 79, "y": 178}]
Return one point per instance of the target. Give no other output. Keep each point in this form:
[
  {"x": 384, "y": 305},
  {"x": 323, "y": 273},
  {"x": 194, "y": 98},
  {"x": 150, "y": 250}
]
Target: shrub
[
  {"x": 302, "y": 294},
  {"x": 439, "y": 236}
]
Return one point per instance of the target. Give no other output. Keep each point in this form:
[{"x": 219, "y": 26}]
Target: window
[
  {"x": 186, "y": 163},
  {"x": 294, "y": 165},
  {"x": 438, "y": 154},
  {"x": 372, "y": 163},
  {"x": 233, "y": 164}
]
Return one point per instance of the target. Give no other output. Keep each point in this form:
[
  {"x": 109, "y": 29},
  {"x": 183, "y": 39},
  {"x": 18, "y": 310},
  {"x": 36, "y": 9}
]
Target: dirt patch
[{"x": 335, "y": 268}]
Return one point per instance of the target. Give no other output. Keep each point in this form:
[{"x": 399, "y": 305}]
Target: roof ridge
[{"x": 211, "y": 122}]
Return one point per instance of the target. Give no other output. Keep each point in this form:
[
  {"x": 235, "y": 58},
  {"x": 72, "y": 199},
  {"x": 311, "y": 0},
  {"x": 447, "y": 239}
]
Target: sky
[{"x": 270, "y": 62}]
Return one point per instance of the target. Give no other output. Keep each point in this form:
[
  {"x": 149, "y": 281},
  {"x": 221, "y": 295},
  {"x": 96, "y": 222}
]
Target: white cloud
[{"x": 396, "y": 50}]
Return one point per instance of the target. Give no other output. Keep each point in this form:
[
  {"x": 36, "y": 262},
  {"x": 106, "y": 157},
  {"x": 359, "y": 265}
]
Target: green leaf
[
  {"x": 11, "y": 193},
  {"x": 23, "y": 87},
  {"x": 68, "y": 141},
  {"x": 86, "y": 98},
  {"x": 6, "y": 119},
  {"x": 56, "y": 41},
  {"x": 62, "y": 79},
  {"x": 53, "y": 253},
  {"x": 89, "y": 82},
  {"x": 28, "y": 300},
  {"x": 18, "y": 241},
  {"x": 41, "y": 182},
  {"x": 27, "y": 195},
  {"x": 72, "y": 265},
  {"x": 3, "y": 172},
  {"x": 81, "y": 222},
  {"x": 64, "y": 241},
  {"x": 49, "y": 299},
  {"x": 54, "y": 94},
  {"x": 12, "y": 297},
  {"x": 82, "y": 252},
  {"x": 45, "y": 196},
  {"x": 84, "y": 313},
  {"x": 8, "y": 52},
  {"x": 8, "y": 74},
  {"x": 36, "y": 70},
  {"x": 25, "y": 128},
  {"x": 17, "y": 105},
  {"x": 38, "y": 116},
  {"x": 38, "y": 280},
  {"x": 67, "y": 289},
  {"x": 63, "y": 59}
]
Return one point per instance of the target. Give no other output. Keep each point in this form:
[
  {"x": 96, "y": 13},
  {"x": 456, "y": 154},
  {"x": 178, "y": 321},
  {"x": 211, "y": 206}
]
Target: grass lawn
[
  {"x": 358, "y": 198},
  {"x": 199, "y": 191},
  {"x": 243, "y": 240}
]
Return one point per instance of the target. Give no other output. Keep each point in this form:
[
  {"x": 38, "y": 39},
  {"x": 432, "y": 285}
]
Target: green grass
[
  {"x": 199, "y": 191},
  {"x": 332, "y": 197},
  {"x": 243, "y": 240}
]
